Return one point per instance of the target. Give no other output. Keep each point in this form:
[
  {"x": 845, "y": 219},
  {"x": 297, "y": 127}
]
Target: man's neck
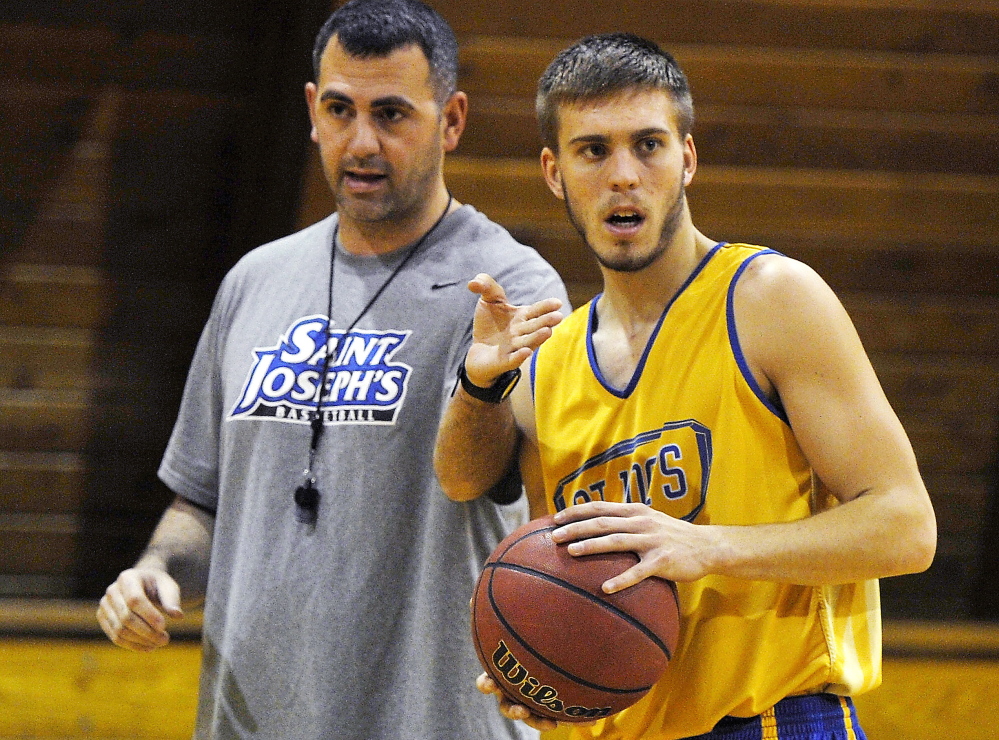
[
  {"x": 373, "y": 238},
  {"x": 632, "y": 301}
]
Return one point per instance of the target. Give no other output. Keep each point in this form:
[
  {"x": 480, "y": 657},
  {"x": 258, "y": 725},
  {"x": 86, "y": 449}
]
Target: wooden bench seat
[
  {"x": 52, "y": 295},
  {"x": 41, "y": 482},
  {"x": 740, "y": 203},
  {"x": 779, "y": 136},
  {"x": 45, "y": 357},
  {"x": 842, "y": 79},
  {"x": 49, "y": 421},
  {"x": 953, "y": 26},
  {"x": 93, "y": 55}
]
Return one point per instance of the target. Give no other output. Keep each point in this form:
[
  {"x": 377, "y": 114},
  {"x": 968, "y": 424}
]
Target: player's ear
[
  {"x": 453, "y": 116},
  {"x": 689, "y": 159},
  {"x": 553, "y": 176},
  {"x": 310, "y": 99}
]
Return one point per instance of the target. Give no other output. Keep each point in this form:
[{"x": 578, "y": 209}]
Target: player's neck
[
  {"x": 372, "y": 238},
  {"x": 633, "y": 302}
]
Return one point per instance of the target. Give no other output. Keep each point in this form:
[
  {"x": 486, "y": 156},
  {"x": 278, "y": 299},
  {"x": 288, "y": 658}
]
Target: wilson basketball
[{"x": 555, "y": 642}]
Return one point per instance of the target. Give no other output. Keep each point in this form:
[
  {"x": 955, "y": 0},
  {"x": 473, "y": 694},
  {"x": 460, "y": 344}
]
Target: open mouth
[
  {"x": 367, "y": 178},
  {"x": 625, "y": 219}
]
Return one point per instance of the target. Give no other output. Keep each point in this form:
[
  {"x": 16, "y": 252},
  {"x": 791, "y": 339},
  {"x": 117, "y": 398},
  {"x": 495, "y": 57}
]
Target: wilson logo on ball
[{"x": 517, "y": 676}]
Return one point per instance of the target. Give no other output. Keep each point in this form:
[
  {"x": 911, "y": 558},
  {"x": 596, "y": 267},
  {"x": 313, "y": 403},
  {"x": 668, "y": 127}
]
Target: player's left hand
[{"x": 666, "y": 547}]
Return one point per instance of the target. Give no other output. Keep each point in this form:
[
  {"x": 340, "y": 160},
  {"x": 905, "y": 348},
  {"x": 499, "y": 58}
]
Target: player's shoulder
[
  {"x": 770, "y": 277},
  {"x": 784, "y": 301}
]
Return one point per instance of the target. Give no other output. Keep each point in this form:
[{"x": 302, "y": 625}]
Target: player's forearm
[
  {"x": 476, "y": 445},
  {"x": 875, "y": 535},
  {"x": 181, "y": 545}
]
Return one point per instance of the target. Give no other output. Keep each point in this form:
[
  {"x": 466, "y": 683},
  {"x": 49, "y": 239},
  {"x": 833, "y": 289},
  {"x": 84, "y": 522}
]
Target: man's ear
[
  {"x": 310, "y": 99},
  {"x": 553, "y": 176},
  {"x": 689, "y": 160},
  {"x": 454, "y": 116}
]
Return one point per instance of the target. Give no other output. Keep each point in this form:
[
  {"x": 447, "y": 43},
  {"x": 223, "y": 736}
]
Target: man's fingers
[
  {"x": 129, "y": 612},
  {"x": 125, "y": 629},
  {"x": 137, "y": 594},
  {"x": 486, "y": 685},
  {"x": 512, "y": 710},
  {"x": 487, "y": 288},
  {"x": 131, "y": 624},
  {"x": 168, "y": 596},
  {"x": 542, "y": 307}
]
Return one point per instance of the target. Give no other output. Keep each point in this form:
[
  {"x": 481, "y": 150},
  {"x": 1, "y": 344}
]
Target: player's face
[
  {"x": 621, "y": 169},
  {"x": 381, "y": 135}
]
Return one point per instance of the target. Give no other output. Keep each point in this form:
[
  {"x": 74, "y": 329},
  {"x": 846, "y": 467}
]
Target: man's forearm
[
  {"x": 181, "y": 545},
  {"x": 476, "y": 445}
]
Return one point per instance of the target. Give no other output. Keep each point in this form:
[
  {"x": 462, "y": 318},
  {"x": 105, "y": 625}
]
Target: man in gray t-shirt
[{"x": 335, "y": 574}]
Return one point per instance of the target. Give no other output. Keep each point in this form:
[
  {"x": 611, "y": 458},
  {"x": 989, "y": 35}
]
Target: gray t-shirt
[{"x": 356, "y": 627}]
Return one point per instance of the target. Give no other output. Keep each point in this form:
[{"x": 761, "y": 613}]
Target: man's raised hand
[{"x": 504, "y": 335}]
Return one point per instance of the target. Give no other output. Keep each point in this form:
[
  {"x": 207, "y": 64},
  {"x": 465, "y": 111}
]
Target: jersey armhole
[{"x": 733, "y": 337}]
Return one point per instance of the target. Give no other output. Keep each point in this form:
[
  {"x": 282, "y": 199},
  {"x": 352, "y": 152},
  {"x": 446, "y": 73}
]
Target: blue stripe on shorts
[{"x": 813, "y": 717}]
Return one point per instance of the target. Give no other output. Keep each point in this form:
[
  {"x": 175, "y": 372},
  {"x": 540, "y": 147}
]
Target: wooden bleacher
[{"x": 860, "y": 136}]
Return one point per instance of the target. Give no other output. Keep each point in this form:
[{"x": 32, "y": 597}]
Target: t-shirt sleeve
[{"x": 190, "y": 464}]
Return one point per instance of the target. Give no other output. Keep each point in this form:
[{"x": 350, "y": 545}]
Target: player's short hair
[
  {"x": 602, "y": 65},
  {"x": 376, "y": 28}
]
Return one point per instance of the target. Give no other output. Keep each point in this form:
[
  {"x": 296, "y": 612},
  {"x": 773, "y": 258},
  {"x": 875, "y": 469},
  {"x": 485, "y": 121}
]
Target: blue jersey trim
[
  {"x": 534, "y": 370},
  {"x": 733, "y": 338},
  {"x": 629, "y": 389}
]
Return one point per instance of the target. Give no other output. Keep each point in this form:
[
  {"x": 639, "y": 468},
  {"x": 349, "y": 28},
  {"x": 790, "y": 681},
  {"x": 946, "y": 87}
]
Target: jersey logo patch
[
  {"x": 666, "y": 468},
  {"x": 363, "y": 386}
]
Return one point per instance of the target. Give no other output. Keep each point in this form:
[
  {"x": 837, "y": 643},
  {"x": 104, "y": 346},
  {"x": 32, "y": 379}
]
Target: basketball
[{"x": 555, "y": 642}]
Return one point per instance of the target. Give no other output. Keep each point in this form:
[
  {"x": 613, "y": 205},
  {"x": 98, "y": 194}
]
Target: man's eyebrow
[
  {"x": 388, "y": 101},
  {"x": 650, "y": 131},
  {"x": 394, "y": 101},
  {"x": 334, "y": 95},
  {"x": 635, "y": 136},
  {"x": 590, "y": 139}
]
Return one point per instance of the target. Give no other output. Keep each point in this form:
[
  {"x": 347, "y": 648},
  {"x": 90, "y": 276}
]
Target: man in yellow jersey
[{"x": 712, "y": 410}]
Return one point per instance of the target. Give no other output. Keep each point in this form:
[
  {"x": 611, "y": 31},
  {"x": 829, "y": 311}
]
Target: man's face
[
  {"x": 381, "y": 135},
  {"x": 621, "y": 169}
]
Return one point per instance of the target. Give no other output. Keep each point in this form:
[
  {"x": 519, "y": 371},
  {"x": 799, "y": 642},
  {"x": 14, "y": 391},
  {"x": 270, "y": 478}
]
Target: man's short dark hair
[
  {"x": 376, "y": 28},
  {"x": 606, "y": 64}
]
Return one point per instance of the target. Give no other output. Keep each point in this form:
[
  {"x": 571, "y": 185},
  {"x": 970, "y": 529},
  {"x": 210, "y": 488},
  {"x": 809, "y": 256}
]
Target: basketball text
[{"x": 511, "y": 669}]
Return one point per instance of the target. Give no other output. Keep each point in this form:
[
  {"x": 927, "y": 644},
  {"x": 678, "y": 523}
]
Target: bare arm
[
  {"x": 134, "y": 608},
  {"x": 803, "y": 349},
  {"x": 478, "y": 441}
]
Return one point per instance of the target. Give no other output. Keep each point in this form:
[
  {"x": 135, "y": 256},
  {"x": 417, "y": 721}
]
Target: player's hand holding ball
[{"x": 555, "y": 645}]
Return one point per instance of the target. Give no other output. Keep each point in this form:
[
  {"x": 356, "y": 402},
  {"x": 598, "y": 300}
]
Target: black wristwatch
[{"x": 495, "y": 393}]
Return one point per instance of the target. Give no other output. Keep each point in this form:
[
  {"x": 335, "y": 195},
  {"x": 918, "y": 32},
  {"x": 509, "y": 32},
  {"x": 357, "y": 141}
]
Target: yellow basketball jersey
[{"x": 694, "y": 436}]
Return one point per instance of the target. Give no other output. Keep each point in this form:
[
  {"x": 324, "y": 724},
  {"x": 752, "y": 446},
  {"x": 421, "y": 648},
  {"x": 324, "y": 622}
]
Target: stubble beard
[
  {"x": 634, "y": 262},
  {"x": 401, "y": 201}
]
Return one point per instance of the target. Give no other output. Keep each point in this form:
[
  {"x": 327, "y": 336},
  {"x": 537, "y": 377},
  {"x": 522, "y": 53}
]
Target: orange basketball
[{"x": 555, "y": 642}]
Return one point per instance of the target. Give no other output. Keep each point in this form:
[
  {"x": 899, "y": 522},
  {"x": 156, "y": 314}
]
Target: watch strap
[{"x": 497, "y": 392}]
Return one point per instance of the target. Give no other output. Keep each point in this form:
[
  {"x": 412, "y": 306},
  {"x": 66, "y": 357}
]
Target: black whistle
[{"x": 306, "y": 503}]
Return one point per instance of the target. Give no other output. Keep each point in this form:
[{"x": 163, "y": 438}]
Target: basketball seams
[
  {"x": 617, "y": 611},
  {"x": 497, "y": 611},
  {"x": 499, "y": 556}
]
